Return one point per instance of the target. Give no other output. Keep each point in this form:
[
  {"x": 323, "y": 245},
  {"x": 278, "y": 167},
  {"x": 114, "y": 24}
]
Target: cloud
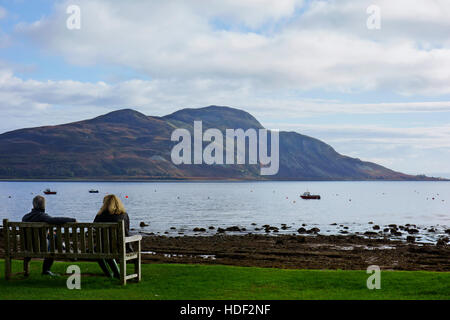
[
  {"x": 328, "y": 47},
  {"x": 416, "y": 148},
  {"x": 251, "y": 13},
  {"x": 413, "y": 150},
  {"x": 421, "y": 136},
  {"x": 258, "y": 55},
  {"x": 420, "y": 20},
  {"x": 162, "y": 96}
]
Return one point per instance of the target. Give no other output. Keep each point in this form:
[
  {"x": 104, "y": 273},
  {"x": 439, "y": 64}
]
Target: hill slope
[{"x": 126, "y": 144}]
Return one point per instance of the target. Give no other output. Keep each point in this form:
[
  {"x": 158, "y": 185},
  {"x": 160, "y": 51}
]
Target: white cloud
[
  {"x": 257, "y": 55},
  {"x": 413, "y": 150},
  {"x": 178, "y": 39},
  {"x": 162, "y": 96},
  {"x": 421, "y": 136},
  {"x": 251, "y": 13}
]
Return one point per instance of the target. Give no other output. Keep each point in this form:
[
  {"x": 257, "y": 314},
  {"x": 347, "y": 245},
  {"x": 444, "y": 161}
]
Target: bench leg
[
  {"x": 7, "y": 268},
  {"x": 137, "y": 263},
  {"x": 123, "y": 271},
  {"x": 26, "y": 266}
]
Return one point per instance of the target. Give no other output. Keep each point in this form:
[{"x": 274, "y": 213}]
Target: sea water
[{"x": 176, "y": 208}]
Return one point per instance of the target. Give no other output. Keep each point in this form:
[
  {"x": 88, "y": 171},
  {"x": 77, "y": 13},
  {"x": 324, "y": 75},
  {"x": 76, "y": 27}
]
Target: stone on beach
[
  {"x": 233, "y": 228},
  {"x": 442, "y": 241}
]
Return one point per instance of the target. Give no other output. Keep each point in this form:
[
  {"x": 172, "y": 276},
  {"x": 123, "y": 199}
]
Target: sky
[{"x": 318, "y": 67}]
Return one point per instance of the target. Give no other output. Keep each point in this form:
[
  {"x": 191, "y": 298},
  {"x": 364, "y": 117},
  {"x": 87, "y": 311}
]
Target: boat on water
[
  {"x": 48, "y": 191},
  {"x": 93, "y": 191},
  {"x": 308, "y": 196}
]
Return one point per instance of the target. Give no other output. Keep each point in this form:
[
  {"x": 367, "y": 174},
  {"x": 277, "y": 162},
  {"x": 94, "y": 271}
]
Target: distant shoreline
[{"x": 224, "y": 180}]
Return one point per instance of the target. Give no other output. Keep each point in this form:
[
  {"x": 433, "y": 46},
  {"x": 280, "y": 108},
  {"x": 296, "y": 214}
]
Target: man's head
[{"x": 39, "y": 203}]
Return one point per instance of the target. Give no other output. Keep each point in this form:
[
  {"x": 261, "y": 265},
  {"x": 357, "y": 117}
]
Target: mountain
[{"x": 127, "y": 144}]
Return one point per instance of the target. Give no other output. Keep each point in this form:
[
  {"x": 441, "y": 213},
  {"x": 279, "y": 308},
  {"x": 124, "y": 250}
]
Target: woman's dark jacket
[{"x": 106, "y": 217}]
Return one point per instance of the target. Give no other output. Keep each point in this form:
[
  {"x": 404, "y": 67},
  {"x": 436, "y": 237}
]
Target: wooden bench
[{"x": 84, "y": 241}]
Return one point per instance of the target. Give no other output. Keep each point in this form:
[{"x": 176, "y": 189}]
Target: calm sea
[{"x": 186, "y": 205}]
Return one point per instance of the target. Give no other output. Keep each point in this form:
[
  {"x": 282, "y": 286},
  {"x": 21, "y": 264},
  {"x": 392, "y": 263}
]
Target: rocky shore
[
  {"x": 408, "y": 232},
  {"x": 309, "y": 251},
  {"x": 297, "y": 252}
]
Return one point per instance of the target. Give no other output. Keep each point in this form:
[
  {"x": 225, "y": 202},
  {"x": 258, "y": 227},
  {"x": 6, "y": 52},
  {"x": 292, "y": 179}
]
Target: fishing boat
[
  {"x": 308, "y": 196},
  {"x": 93, "y": 191},
  {"x": 48, "y": 191}
]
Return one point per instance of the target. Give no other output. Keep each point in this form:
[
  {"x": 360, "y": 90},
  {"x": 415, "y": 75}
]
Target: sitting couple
[{"x": 112, "y": 210}]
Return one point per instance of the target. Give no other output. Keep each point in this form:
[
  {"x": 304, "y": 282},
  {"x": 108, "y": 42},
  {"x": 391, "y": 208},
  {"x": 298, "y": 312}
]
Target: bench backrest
[{"x": 90, "y": 240}]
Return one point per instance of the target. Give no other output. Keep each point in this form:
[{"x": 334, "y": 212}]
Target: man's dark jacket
[{"x": 41, "y": 216}]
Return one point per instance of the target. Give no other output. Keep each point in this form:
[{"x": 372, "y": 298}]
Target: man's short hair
[{"x": 39, "y": 203}]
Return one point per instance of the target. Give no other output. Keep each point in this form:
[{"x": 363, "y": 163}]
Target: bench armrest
[{"x": 133, "y": 238}]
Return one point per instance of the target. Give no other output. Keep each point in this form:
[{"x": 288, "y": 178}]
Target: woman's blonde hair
[{"x": 112, "y": 205}]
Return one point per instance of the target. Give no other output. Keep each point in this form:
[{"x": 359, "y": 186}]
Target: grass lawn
[{"x": 177, "y": 281}]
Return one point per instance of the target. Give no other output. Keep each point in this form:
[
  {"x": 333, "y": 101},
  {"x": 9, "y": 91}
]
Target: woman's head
[{"x": 112, "y": 205}]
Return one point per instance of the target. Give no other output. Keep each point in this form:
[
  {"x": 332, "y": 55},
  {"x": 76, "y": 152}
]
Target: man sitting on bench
[{"x": 38, "y": 215}]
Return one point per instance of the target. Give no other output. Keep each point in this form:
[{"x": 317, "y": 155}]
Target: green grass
[{"x": 177, "y": 281}]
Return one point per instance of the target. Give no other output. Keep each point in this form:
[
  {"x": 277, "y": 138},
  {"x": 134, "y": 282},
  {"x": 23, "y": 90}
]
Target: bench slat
[
  {"x": 22, "y": 239},
  {"x": 59, "y": 240},
  {"x": 14, "y": 238},
  {"x": 75, "y": 239},
  {"x": 29, "y": 239},
  {"x": 6, "y": 234},
  {"x": 114, "y": 246},
  {"x": 105, "y": 240},
  {"x": 67, "y": 239},
  {"x": 51, "y": 234},
  {"x": 69, "y": 224},
  {"x": 43, "y": 239},
  {"x": 82, "y": 240},
  {"x": 71, "y": 255},
  {"x": 36, "y": 242},
  {"x": 90, "y": 240},
  {"x": 98, "y": 235}
]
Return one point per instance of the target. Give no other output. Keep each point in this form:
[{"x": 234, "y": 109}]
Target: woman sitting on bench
[{"x": 112, "y": 210}]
